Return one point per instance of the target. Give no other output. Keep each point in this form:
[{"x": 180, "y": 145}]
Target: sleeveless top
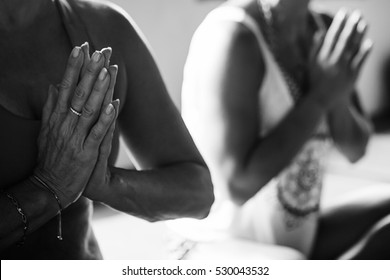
[
  {"x": 274, "y": 103},
  {"x": 18, "y": 160}
]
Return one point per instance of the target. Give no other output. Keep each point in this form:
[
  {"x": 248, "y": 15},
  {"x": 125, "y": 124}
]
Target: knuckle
[
  {"x": 98, "y": 86},
  {"x": 65, "y": 84},
  {"x": 97, "y": 133},
  {"x": 91, "y": 69},
  {"x": 88, "y": 111},
  {"x": 79, "y": 92},
  {"x": 71, "y": 64}
]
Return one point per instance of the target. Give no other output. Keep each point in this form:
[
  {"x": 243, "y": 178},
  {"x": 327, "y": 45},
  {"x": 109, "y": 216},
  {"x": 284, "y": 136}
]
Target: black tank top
[{"x": 18, "y": 144}]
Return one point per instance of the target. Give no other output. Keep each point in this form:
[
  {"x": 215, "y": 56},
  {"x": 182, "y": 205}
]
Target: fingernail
[
  {"x": 75, "y": 52},
  {"x": 361, "y": 26},
  {"x": 357, "y": 13},
  {"x": 369, "y": 44},
  {"x": 102, "y": 74},
  {"x": 96, "y": 56},
  {"x": 109, "y": 109}
]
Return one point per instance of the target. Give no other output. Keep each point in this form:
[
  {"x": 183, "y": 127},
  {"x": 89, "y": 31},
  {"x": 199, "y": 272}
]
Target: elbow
[
  {"x": 356, "y": 155},
  {"x": 356, "y": 148},
  {"x": 202, "y": 195},
  {"x": 238, "y": 194},
  {"x": 356, "y": 152},
  {"x": 206, "y": 199},
  {"x": 241, "y": 183},
  {"x": 242, "y": 189}
]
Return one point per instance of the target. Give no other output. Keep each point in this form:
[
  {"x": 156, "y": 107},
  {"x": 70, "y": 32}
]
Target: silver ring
[{"x": 74, "y": 111}]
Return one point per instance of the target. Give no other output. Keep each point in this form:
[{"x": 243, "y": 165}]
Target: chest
[
  {"x": 31, "y": 59},
  {"x": 30, "y": 63}
]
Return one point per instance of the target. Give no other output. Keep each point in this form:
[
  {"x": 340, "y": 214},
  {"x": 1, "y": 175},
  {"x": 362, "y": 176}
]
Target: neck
[{"x": 19, "y": 13}]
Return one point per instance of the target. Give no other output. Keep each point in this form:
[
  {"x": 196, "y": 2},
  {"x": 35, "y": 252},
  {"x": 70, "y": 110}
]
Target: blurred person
[
  {"x": 58, "y": 155},
  {"x": 269, "y": 88}
]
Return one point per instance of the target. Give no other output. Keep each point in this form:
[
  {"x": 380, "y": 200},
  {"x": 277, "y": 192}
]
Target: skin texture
[
  {"x": 225, "y": 120},
  {"x": 171, "y": 181}
]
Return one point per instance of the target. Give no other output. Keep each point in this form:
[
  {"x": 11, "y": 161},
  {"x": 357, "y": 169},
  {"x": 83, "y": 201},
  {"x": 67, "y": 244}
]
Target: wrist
[
  {"x": 320, "y": 102},
  {"x": 100, "y": 189},
  {"x": 40, "y": 180}
]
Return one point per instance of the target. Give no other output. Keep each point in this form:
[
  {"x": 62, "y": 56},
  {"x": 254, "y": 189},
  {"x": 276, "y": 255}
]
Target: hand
[
  {"x": 99, "y": 181},
  {"x": 337, "y": 59},
  {"x": 98, "y": 184},
  {"x": 69, "y": 144}
]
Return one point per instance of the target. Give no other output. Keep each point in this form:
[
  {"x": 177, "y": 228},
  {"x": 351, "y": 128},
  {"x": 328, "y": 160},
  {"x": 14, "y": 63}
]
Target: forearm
[
  {"x": 274, "y": 152},
  {"x": 350, "y": 130},
  {"x": 37, "y": 204},
  {"x": 179, "y": 190}
]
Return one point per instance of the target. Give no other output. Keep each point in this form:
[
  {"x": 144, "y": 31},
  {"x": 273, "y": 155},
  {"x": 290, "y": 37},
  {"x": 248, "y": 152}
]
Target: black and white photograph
[{"x": 229, "y": 131}]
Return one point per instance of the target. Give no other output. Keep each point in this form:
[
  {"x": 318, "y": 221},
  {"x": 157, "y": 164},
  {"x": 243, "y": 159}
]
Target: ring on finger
[{"x": 74, "y": 111}]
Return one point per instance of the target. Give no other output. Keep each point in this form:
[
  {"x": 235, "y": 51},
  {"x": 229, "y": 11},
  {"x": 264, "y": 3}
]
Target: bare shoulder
[
  {"x": 108, "y": 19},
  {"x": 221, "y": 33}
]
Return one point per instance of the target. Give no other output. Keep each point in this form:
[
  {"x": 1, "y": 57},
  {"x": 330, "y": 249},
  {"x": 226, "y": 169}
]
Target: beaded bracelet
[
  {"x": 24, "y": 217},
  {"x": 59, "y": 231}
]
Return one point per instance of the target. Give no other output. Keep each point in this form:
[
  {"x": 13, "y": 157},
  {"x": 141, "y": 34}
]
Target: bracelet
[
  {"x": 24, "y": 217},
  {"x": 59, "y": 231}
]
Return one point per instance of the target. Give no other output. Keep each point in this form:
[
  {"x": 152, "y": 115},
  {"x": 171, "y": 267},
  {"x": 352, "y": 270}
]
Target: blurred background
[{"x": 168, "y": 26}]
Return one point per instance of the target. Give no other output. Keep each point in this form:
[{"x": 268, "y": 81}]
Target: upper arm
[
  {"x": 149, "y": 122},
  {"x": 229, "y": 74}
]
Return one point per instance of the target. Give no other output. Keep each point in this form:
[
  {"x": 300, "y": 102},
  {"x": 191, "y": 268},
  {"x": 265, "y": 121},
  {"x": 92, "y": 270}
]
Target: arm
[
  {"x": 230, "y": 78},
  {"x": 68, "y": 147},
  {"x": 172, "y": 179},
  {"x": 350, "y": 129},
  {"x": 231, "y": 73},
  {"x": 37, "y": 204}
]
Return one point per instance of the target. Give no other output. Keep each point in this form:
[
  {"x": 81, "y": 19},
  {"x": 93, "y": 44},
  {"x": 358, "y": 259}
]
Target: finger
[
  {"x": 101, "y": 127},
  {"x": 107, "y": 52},
  {"x": 362, "y": 55},
  {"x": 87, "y": 58},
  {"x": 113, "y": 71},
  {"x": 318, "y": 41},
  {"x": 87, "y": 82},
  {"x": 92, "y": 107},
  {"x": 358, "y": 39},
  {"x": 347, "y": 43},
  {"x": 333, "y": 33},
  {"x": 70, "y": 79},
  {"x": 105, "y": 147}
]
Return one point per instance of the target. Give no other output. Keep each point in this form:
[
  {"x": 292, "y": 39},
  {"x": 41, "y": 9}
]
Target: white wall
[{"x": 169, "y": 25}]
